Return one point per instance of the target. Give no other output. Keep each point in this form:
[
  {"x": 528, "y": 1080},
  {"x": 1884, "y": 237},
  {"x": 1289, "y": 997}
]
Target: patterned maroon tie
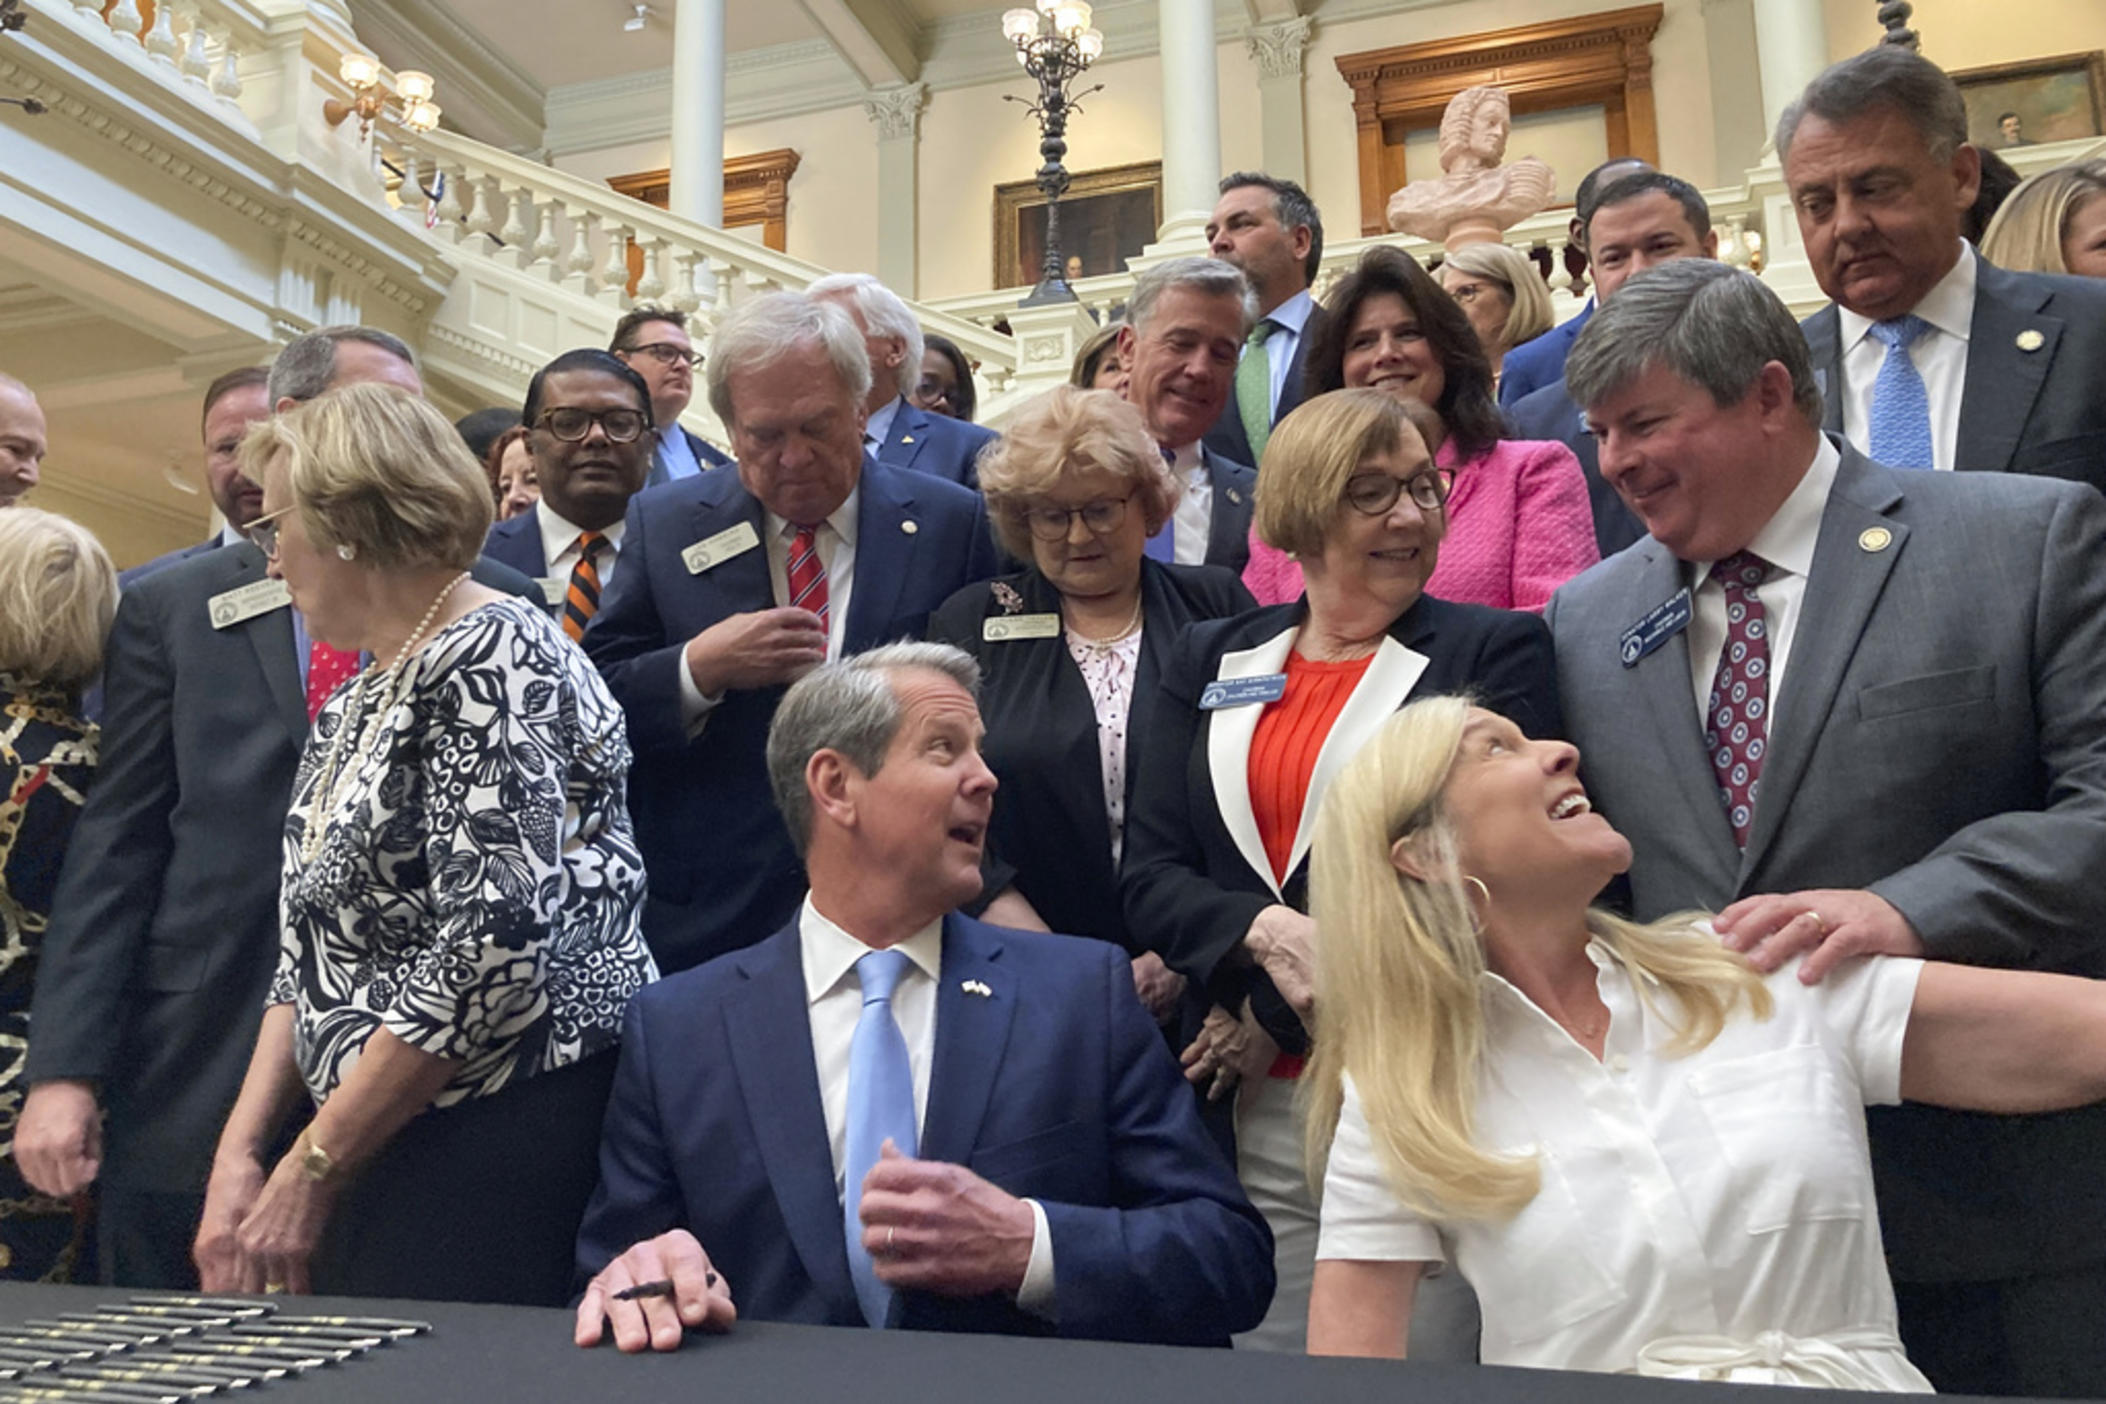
[{"x": 1737, "y": 721}]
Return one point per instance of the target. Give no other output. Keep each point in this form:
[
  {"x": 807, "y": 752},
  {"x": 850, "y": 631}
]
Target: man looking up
[
  {"x": 1269, "y": 230},
  {"x": 655, "y": 344}
]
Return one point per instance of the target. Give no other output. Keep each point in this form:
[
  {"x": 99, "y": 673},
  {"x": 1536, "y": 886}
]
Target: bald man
[{"x": 22, "y": 443}]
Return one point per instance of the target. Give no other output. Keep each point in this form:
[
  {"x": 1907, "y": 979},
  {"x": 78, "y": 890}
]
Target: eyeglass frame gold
[{"x": 266, "y": 526}]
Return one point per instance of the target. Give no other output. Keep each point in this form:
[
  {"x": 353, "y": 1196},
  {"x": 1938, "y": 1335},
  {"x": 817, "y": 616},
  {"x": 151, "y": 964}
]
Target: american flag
[{"x": 431, "y": 201}]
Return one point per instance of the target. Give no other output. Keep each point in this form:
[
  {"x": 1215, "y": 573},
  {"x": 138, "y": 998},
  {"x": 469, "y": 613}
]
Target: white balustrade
[
  {"x": 650, "y": 285},
  {"x": 195, "y": 62},
  {"x": 614, "y": 273},
  {"x": 126, "y": 22},
  {"x": 161, "y": 39},
  {"x": 194, "y": 42}
]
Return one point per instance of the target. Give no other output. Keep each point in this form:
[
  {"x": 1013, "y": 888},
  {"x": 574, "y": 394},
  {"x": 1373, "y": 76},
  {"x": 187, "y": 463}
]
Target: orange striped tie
[{"x": 582, "y": 600}]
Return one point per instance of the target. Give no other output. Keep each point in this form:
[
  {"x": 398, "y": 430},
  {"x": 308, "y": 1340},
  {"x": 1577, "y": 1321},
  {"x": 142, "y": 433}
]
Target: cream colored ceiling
[{"x": 556, "y": 42}]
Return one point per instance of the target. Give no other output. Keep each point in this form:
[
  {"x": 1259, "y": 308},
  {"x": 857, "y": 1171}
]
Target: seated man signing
[{"x": 888, "y": 1114}]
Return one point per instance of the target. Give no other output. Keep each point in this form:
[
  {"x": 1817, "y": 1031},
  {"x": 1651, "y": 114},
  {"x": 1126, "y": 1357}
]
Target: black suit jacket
[
  {"x": 164, "y": 929},
  {"x": 128, "y": 578},
  {"x": 723, "y": 872},
  {"x": 1235, "y": 492},
  {"x": 1195, "y": 874},
  {"x": 1228, "y": 436},
  {"x": 2022, "y": 411},
  {"x": 1549, "y": 413},
  {"x": 1051, "y": 837}
]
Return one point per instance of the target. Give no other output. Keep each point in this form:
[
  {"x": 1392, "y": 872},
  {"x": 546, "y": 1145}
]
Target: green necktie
[{"x": 1254, "y": 388}]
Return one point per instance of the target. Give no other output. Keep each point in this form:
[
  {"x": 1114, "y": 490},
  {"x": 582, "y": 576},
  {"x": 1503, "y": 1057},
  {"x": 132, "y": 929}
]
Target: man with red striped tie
[{"x": 588, "y": 418}]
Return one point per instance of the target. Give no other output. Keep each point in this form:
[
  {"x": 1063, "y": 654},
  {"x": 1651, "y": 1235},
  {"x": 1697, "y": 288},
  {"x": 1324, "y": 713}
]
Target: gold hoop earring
[
  {"x": 1482, "y": 890},
  {"x": 1477, "y": 917}
]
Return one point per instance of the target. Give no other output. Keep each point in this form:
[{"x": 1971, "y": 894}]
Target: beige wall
[{"x": 1970, "y": 33}]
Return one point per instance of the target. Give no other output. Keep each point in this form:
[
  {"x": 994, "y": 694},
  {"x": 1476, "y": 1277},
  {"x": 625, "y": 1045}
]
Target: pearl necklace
[
  {"x": 1112, "y": 641},
  {"x": 323, "y": 801}
]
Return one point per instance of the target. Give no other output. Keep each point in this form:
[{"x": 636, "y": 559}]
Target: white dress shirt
[
  {"x": 1940, "y": 354},
  {"x": 1289, "y": 320},
  {"x": 835, "y": 998},
  {"x": 1786, "y": 541},
  {"x": 559, "y": 545},
  {"x": 1194, "y": 518},
  {"x": 835, "y": 540},
  {"x": 1707, "y": 1199}
]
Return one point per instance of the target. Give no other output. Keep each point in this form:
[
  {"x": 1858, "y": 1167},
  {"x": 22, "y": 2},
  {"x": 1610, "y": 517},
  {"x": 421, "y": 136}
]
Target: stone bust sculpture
[{"x": 1476, "y": 198}]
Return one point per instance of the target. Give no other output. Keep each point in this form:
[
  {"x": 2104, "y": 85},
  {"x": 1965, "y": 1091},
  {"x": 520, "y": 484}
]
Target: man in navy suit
[
  {"x": 1269, "y": 230},
  {"x": 1534, "y": 364},
  {"x": 899, "y": 433},
  {"x": 2008, "y": 365},
  {"x": 232, "y": 403},
  {"x": 1181, "y": 344},
  {"x": 654, "y": 342},
  {"x": 892, "y": 1115},
  {"x": 735, "y": 584},
  {"x": 588, "y": 418}
]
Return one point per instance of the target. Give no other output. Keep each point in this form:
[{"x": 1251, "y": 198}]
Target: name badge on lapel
[
  {"x": 1655, "y": 629},
  {"x": 715, "y": 550},
  {"x": 554, "y": 590},
  {"x": 1243, "y": 692},
  {"x": 229, "y": 609},
  {"x": 1012, "y": 627}
]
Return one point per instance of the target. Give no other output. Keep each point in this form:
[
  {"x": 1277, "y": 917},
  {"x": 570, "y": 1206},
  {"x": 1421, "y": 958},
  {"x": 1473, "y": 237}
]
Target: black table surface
[{"x": 517, "y": 1355}]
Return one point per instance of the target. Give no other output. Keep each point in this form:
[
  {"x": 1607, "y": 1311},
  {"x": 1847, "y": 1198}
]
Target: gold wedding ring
[
  {"x": 888, "y": 1241},
  {"x": 272, "y": 1289}
]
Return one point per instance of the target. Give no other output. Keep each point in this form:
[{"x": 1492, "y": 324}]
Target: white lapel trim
[
  {"x": 1229, "y": 734},
  {"x": 1391, "y": 675}
]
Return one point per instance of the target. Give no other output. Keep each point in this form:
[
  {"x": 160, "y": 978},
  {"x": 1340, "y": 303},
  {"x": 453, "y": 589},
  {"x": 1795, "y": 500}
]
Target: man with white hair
[
  {"x": 734, "y": 585},
  {"x": 898, "y": 433},
  {"x": 22, "y": 442}
]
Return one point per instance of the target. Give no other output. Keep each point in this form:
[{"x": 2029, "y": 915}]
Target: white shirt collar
[
  {"x": 1948, "y": 306},
  {"x": 559, "y": 535},
  {"x": 1293, "y": 314},
  {"x": 878, "y": 427},
  {"x": 230, "y": 535},
  {"x": 1788, "y": 538},
  {"x": 842, "y": 520},
  {"x": 829, "y": 952},
  {"x": 1186, "y": 457}
]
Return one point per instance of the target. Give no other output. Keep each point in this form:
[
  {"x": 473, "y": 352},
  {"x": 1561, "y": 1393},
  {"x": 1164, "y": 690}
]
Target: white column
[
  {"x": 1277, "y": 49},
  {"x": 1791, "y": 47},
  {"x": 896, "y": 112},
  {"x": 697, "y": 191},
  {"x": 1191, "y": 124}
]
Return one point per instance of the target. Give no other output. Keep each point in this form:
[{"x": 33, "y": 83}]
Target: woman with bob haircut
[
  {"x": 1254, "y": 718},
  {"x": 1501, "y": 293},
  {"x": 2054, "y": 222},
  {"x": 58, "y": 594},
  {"x": 1065, "y": 646},
  {"x": 1097, "y": 365},
  {"x": 1644, "y": 1156},
  {"x": 459, "y": 902},
  {"x": 1519, "y": 522}
]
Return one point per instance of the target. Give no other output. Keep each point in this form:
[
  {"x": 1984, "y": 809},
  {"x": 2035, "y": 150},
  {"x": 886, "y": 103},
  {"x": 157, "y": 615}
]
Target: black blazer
[
  {"x": 2037, "y": 410},
  {"x": 1195, "y": 874},
  {"x": 1228, "y": 436},
  {"x": 1051, "y": 837},
  {"x": 1549, "y": 413},
  {"x": 164, "y": 928}
]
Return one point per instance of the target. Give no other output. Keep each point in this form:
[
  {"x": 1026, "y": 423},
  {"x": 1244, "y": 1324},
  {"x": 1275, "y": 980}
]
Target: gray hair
[
  {"x": 849, "y": 707},
  {"x": 758, "y": 334},
  {"x": 1209, "y": 276},
  {"x": 883, "y": 312},
  {"x": 307, "y": 365},
  {"x": 1886, "y": 78},
  {"x": 1706, "y": 322}
]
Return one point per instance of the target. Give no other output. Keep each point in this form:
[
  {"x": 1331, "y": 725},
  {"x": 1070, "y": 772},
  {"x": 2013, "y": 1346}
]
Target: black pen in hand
[{"x": 661, "y": 1288}]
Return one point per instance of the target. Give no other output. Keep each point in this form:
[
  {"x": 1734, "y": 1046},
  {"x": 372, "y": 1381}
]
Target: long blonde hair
[
  {"x": 2027, "y": 233},
  {"x": 1399, "y": 967}
]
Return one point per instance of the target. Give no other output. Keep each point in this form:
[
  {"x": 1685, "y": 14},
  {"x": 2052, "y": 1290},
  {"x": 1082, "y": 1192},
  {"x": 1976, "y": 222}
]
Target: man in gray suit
[
  {"x": 1181, "y": 343},
  {"x": 1856, "y": 710},
  {"x": 1930, "y": 356},
  {"x": 164, "y": 926}
]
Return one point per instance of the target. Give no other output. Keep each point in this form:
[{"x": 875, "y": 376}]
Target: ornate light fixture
[
  {"x": 361, "y": 74},
  {"x": 1056, "y": 45}
]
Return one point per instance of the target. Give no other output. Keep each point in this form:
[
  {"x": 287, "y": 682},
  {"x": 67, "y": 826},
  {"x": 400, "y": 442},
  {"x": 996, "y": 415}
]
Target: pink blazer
[{"x": 1519, "y": 526}]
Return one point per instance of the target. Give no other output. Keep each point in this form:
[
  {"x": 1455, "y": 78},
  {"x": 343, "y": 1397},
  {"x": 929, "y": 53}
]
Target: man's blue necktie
[
  {"x": 880, "y": 1107},
  {"x": 1901, "y": 429},
  {"x": 1163, "y": 545}
]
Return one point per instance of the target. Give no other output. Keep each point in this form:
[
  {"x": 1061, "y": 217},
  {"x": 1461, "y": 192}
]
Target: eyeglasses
[
  {"x": 621, "y": 426},
  {"x": 667, "y": 354},
  {"x": 1102, "y": 517},
  {"x": 263, "y": 532},
  {"x": 1374, "y": 494}
]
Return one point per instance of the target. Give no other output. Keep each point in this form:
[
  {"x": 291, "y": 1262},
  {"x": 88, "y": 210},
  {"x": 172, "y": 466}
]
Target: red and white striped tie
[{"x": 807, "y": 577}]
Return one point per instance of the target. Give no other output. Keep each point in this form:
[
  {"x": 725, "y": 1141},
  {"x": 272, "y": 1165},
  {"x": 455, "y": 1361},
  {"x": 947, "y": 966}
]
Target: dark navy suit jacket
[
  {"x": 1054, "y": 1085},
  {"x": 1534, "y": 364},
  {"x": 934, "y": 443},
  {"x": 128, "y": 578},
  {"x": 721, "y": 867},
  {"x": 517, "y": 543}
]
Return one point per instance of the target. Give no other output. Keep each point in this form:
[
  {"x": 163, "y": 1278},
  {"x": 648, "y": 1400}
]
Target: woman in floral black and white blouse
[{"x": 460, "y": 897}]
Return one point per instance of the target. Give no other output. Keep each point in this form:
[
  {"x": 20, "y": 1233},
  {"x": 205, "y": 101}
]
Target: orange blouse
[{"x": 1284, "y": 748}]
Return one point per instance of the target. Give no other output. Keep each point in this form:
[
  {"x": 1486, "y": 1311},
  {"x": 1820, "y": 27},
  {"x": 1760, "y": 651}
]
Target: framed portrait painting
[
  {"x": 1107, "y": 217},
  {"x": 2011, "y": 105}
]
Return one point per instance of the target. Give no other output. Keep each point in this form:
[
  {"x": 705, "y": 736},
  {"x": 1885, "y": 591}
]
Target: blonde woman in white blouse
[{"x": 1644, "y": 1156}]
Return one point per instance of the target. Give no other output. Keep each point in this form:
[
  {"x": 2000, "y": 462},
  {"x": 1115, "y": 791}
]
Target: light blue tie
[
  {"x": 1901, "y": 429},
  {"x": 880, "y": 1106}
]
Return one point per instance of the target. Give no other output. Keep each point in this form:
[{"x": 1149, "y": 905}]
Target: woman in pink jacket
[{"x": 1519, "y": 524}]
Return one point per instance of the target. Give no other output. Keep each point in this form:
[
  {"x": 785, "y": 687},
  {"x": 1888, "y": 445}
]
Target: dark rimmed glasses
[
  {"x": 1102, "y": 517},
  {"x": 667, "y": 353},
  {"x": 1374, "y": 494},
  {"x": 621, "y": 426}
]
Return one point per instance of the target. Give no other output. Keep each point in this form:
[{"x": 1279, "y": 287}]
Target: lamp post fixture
[
  {"x": 370, "y": 98},
  {"x": 1056, "y": 45}
]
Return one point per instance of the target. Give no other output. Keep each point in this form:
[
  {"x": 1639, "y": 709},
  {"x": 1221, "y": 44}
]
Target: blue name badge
[
  {"x": 1655, "y": 629},
  {"x": 1243, "y": 692}
]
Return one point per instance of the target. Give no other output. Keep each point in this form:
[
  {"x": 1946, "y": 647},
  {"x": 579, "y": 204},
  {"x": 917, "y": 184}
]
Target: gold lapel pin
[
  {"x": 909, "y": 527},
  {"x": 906, "y": 438},
  {"x": 2030, "y": 340},
  {"x": 1874, "y": 539},
  {"x": 976, "y": 987},
  {"x": 1235, "y": 497}
]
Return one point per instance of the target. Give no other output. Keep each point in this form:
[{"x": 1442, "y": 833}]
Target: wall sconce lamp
[{"x": 369, "y": 100}]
